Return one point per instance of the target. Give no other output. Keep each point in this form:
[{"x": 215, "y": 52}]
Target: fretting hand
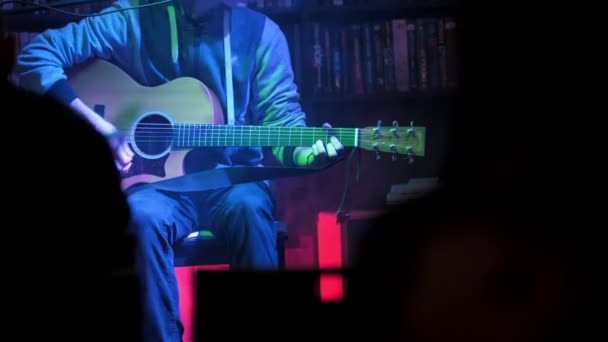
[{"x": 319, "y": 154}]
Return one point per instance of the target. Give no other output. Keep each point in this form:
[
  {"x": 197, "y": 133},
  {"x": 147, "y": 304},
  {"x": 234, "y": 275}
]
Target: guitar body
[{"x": 132, "y": 107}]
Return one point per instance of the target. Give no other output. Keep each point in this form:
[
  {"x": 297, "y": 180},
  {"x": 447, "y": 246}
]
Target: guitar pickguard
[
  {"x": 144, "y": 166},
  {"x": 146, "y": 170}
]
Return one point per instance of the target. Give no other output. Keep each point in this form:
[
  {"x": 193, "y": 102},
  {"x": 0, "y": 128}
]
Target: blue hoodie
[{"x": 139, "y": 41}]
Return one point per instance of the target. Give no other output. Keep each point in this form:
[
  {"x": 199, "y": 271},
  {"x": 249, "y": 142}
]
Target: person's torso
[{"x": 201, "y": 56}]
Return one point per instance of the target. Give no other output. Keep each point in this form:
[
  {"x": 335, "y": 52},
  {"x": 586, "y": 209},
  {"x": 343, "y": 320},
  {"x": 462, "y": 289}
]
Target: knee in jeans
[
  {"x": 251, "y": 215},
  {"x": 246, "y": 205},
  {"x": 146, "y": 220}
]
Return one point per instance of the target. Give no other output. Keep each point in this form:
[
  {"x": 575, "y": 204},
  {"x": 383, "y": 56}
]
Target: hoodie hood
[{"x": 176, "y": 30}]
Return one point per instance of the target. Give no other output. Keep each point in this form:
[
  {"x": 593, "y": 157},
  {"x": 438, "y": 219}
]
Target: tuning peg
[
  {"x": 410, "y": 131},
  {"x": 377, "y": 129},
  {"x": 394, "y": 129},
  {"x": 410, "y": 154},
  {"x": 377, "y": 149},
  {"x": 394, "y": 154},
  {"x": 410, "y": 151}
]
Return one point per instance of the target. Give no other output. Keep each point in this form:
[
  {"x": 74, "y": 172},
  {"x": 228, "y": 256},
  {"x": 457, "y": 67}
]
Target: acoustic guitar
[{"x": 164, "y": 123}]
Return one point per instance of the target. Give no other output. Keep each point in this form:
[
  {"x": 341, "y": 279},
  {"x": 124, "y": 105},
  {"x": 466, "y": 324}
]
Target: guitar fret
[
  {"x": 175, "y": 134},
  {"x": 181, "y": 135}
]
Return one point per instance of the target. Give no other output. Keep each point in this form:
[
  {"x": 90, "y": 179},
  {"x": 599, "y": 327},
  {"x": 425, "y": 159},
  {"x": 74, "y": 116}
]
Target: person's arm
[
  {"x": 41, "y": 65},
  {"x": 276, "y": 100}
]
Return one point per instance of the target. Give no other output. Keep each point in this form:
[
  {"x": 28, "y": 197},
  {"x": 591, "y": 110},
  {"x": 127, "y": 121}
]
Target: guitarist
[{"x": 154, "y": 45}]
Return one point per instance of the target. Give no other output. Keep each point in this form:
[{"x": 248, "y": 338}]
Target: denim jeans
[{"x": 242, "y": 215}]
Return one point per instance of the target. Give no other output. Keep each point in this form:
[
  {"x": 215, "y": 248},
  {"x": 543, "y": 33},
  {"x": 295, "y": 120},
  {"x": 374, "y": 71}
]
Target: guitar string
[
  {"x": 154, "y": 136},
  {"x": 241, "y": 129},
  {"x": 189, "y": 138},
  {"x": 250, "y": 130},
  {"x": 225, "y": 133}
]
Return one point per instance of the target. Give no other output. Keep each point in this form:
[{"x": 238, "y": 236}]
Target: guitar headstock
[{"x": 408, "y": 141}]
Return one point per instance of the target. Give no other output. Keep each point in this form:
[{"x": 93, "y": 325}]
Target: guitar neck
[{"x": 208, "y": 135}]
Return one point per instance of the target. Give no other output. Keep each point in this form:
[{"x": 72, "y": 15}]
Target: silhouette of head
[{"x": 8, "y": 46}]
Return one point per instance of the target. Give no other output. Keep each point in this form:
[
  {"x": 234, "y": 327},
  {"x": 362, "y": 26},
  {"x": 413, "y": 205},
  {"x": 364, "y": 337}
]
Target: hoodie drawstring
[
  {"x": 173, "y": 31},
  {"x": 228, "y": 68}
]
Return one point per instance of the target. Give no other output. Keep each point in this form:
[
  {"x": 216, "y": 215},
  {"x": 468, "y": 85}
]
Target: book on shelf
[
  {"x": 391, "y": 56},
  {"x": 414, "y": 188}
]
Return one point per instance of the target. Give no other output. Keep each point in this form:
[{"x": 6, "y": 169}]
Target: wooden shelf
[
  {"x": 39, "y": 22},
  {"x": 392, "y": 98},
  {"x": 292, "y": 15},
  {"x": 28, "y": 22},
  {"x": 373, "y": 12}
]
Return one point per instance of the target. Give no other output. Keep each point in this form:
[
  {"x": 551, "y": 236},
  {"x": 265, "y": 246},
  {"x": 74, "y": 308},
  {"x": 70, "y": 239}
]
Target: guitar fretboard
[{"x": 207, "y": 135}]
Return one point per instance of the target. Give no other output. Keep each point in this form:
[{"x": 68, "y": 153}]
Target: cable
[
  {"x": 346, "y": 181},
  {"x": 83, "y": 14}
]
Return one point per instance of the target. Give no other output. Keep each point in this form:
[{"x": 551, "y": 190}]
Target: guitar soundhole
[{"x": 153, "y": 136}]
